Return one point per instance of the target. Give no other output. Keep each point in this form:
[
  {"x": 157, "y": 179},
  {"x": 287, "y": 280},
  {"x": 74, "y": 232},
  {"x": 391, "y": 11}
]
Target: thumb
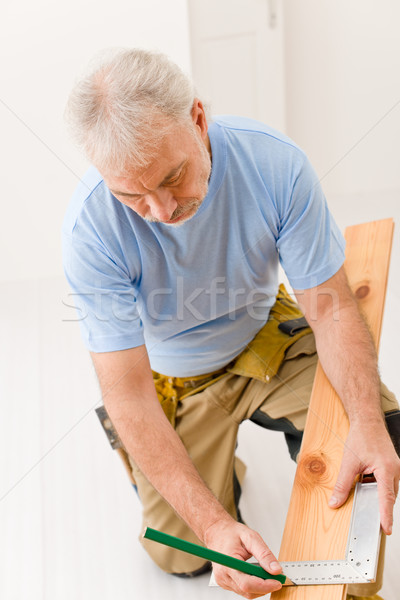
[
  {"x": 343, "y": 485},
  {"x": 259, "y": 549}
]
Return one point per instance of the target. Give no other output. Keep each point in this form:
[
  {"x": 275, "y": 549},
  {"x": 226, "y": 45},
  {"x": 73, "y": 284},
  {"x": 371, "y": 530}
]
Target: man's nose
[{"x": 162, "y": 204}]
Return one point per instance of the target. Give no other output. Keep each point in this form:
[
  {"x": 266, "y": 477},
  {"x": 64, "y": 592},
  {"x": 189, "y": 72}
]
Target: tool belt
[{"x": 261, "y": 358}]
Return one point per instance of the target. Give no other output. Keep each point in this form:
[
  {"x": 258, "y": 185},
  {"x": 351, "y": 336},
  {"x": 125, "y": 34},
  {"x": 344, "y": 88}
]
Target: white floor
[{"x": 68, "y": 518}]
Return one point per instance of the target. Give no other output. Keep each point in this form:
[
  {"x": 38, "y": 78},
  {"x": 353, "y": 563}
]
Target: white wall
[
  {"x": 342, "y": 65},
  {"x": 343, "y": 91},
  {"x": 43, "y": 47},
  {"x": 342, "y": 62}
]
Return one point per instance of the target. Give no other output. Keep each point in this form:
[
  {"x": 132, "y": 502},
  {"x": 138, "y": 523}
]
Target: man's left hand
[{"x": 369, "y": 449}]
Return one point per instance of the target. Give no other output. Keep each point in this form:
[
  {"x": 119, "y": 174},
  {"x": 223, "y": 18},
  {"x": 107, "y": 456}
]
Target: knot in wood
[
  {"x": 362, "y": 291},
  {"x": 313, "y": 470},
  {"x": 316, "y": 466}
]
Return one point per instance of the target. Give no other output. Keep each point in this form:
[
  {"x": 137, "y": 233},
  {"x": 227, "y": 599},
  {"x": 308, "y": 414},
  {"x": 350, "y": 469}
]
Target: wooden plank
[
  {"x": 367, "y": 267},
  {"x": 313, "y": 531}
]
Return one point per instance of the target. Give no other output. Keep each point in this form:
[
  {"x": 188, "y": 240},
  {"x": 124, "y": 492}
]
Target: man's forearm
[
  {"x": 345, "y": 347},
  {"x": 161, "y": 456},
  {"x": 131, "y": 401},
  {"x": 348, "y": 357}
]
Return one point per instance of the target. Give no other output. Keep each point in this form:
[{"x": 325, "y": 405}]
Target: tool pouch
[
  {"x": 167, "y": 395},
  {"x": 265, "y": 353},
  {"x": 261, "y": 358}
]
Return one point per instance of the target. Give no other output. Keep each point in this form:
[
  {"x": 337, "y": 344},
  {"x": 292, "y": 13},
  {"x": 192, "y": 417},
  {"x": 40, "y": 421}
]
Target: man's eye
[{"x": 174, "y": 179}]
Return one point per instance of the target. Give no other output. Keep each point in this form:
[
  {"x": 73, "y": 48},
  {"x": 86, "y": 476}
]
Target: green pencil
[{"x": 212, "y": 555}]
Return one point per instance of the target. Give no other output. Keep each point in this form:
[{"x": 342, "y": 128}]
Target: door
[{"x": 237, "y": 57}]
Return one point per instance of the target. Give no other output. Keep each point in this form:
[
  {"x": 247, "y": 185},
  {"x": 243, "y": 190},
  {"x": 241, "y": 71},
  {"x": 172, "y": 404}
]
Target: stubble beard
[{"x": 192, "y": 205}]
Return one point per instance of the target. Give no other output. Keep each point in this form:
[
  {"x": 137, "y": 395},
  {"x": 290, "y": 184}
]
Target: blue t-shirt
[{"x": 198, "y": 293}]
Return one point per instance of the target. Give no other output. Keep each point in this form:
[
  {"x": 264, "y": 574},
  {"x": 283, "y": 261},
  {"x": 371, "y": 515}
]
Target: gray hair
[{"x": 121, "y": 110}]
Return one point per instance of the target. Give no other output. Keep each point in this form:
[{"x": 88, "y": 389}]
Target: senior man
[{"x": 172, "y": 243}]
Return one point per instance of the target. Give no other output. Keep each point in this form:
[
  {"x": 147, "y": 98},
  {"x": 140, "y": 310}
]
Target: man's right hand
[{"x": 237, "y": 540}]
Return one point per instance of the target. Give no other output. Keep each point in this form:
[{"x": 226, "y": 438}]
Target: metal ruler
[{"x": 362, "y": 549}]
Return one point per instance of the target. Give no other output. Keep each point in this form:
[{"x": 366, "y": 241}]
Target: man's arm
[
  {"x": 348, "y": 357},
  {"x": 131, "y": 401}
]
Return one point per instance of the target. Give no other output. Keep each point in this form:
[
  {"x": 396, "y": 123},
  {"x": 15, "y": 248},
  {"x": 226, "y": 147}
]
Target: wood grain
[{"x": 313, "y": 531}]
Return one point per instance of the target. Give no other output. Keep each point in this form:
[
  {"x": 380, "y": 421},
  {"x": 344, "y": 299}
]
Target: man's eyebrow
[
  {"x": 125, "y": 194},
  {"x": 174, "y": 171}
]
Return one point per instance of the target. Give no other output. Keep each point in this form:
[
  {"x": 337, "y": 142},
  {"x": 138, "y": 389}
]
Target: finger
[
  {"x": 343, "y": 485},
  {"x": 259, "y": 549},
  {"x": 245, "y": 585},
  {"x": 225, "y": 581},
  {"x": 250, "y": 586},
  {"x": 387, "y": 498}
]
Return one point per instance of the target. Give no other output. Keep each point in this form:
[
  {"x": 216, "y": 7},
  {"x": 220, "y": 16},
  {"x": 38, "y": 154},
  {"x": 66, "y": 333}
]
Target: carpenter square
[{"x": 362, "y": 550}]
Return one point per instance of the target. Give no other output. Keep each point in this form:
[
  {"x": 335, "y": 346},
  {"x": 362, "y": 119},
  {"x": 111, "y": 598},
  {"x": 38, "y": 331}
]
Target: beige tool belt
[{"x": 260, "y": 359}]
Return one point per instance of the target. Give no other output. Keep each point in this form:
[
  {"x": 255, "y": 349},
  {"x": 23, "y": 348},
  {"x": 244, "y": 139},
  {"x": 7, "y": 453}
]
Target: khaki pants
[{"x": 208, "y": 422}]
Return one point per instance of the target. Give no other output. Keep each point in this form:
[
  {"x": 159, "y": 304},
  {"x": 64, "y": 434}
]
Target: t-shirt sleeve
[
  {"x": 310, "y": 244},
  {"x": 104, "y": 296}
]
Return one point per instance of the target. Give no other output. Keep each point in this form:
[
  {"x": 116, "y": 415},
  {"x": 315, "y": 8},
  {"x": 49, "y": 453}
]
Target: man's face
[{"x": 175, "y": 184}]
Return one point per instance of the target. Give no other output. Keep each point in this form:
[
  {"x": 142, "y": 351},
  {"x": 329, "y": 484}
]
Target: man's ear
[{"x": 199, "y": 117}]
